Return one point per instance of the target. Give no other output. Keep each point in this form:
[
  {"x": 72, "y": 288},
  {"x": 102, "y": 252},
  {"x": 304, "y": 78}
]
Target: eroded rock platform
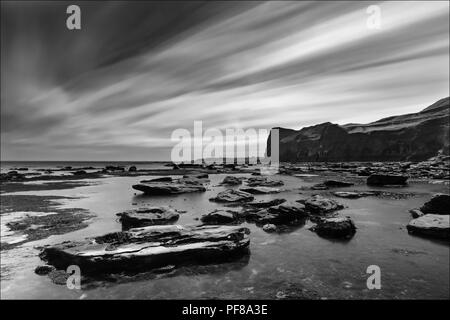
[{"x": 151, "y": 247}]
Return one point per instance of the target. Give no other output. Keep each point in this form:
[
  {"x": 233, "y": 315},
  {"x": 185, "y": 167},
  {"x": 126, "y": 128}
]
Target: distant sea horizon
[
  {"x": 76, "y": 164},
  {"x": 81, "y": 161},
  {"x": 107, "y": 161}
]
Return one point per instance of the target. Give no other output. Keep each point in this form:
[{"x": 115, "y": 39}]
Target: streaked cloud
[{"x": 136, "y": 72}]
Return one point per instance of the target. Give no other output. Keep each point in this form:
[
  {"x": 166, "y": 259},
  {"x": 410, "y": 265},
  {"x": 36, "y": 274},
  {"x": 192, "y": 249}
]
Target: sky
[{"x": 136, "y": 71}]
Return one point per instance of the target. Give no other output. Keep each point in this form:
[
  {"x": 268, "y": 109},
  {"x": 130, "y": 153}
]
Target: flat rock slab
[
  {"x": 265, "y": 204},
  {"x": 260, "y": 190},
  {"x": 231, "y": 195},
  {"x": 164, "y": 186},
  {"x": 147, "y": 216},
  {"x": 142, "y": 249},
  {"x": 438, "y": 204},
  {"x": 320, "y": 205},
  {"x": 338, "y": 227},
  {"x": 431, "y": 225},
  {"x": 277, "y": 215},
  {"x": 386, "y": 179},
  {"x": 262, "y": 181}
]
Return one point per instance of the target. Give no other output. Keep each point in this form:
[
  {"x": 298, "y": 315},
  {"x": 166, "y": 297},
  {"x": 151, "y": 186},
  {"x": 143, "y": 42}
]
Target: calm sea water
[{"x": 279, "y": 264}]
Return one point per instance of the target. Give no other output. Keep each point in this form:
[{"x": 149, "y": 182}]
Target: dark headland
[{"x": 409, "y": 137}]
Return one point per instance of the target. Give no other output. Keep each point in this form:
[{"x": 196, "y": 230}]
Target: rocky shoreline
[
  {"x": 435, "y": 168},
  {"x": 408, "y": 137},
  {"x": 149, "y": 247},
  {"x": 272, "y": 216},
  {"x": 240, "y": 204}
]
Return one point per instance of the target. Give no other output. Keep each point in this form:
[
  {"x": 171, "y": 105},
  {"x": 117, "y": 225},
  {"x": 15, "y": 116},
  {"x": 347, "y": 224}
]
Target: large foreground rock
[
  {"x": 231, "y": 195},
  {"x": 338, "y": 227},
  {"x": 142, "y": 249},
  {"x": 147, "y": 216},
  {"x": 320, "y": 205},
  {"x": 438, "y": 204},
  {"x": 386, "y": 179},
  {"x": 166, "y": 186},
  {"x": 431, "y": 225}
]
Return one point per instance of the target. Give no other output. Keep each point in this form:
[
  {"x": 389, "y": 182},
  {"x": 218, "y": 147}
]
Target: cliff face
[{"x": 409, "y": 137}]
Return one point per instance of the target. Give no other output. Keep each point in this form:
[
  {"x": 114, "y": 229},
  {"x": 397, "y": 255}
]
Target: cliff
[{"x": 410, "y": 137}]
